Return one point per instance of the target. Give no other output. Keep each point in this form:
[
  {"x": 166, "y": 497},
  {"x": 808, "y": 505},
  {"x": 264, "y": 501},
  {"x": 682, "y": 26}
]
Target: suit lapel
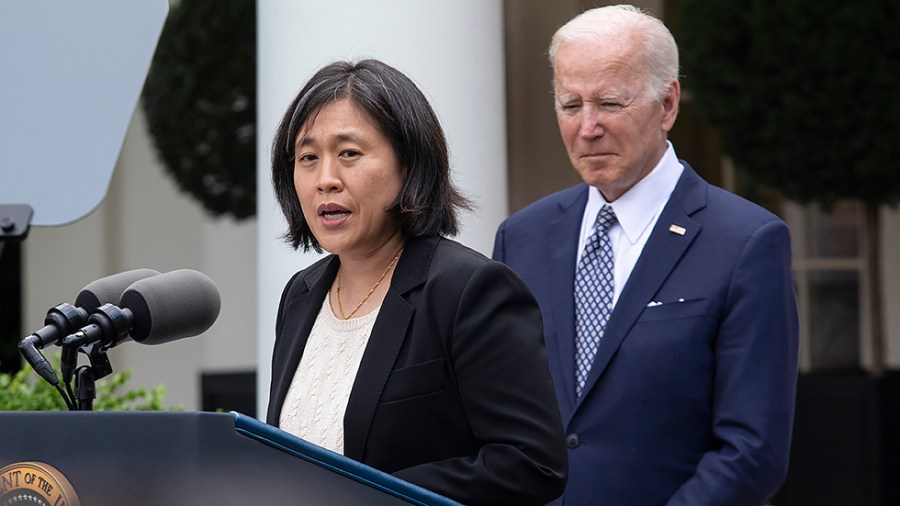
[
  {"x": 310, "y": 294},
  {"x": 661, "y": 254},
  {"x": 388, "y": 335},
  {"x": 560, "y": 271}
]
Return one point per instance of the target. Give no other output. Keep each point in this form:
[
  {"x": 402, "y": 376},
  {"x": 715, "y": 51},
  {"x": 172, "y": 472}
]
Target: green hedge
[
  {"x": 26, "y": 391},
  {"x": 804, "y": 92}
]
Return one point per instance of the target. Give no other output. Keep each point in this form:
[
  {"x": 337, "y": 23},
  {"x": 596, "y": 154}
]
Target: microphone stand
[
  {"x": 85, "y": 388},
  {"x": 107, "y": 324},
  {"x": 86, "y": 376}
]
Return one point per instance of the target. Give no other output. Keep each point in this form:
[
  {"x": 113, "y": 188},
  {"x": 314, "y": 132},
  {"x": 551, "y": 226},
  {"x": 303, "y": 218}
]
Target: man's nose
[{"x": 591, "y": 123}]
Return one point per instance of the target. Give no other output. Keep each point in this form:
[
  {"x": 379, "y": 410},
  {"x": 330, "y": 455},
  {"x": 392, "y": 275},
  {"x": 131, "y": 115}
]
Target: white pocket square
[{"x": 654, "y": 303}]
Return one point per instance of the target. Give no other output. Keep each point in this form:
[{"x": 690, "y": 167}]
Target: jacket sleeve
[
  {"x": 499, "y": 361},
  {"x": 755, "y": 380},
  {"x": 499, "y": 253}
]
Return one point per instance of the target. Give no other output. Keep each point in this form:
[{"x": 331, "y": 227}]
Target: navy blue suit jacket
[{"x": 690, "y": 400}]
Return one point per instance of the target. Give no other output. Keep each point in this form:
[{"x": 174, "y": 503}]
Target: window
[{"x": 830, "y": 275}]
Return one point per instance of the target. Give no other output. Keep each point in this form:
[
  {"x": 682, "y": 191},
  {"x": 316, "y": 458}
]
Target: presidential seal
[{"x": 35, "y": 483}]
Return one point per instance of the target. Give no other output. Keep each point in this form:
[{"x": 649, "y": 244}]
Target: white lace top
[{"x": 317, "y": 398}]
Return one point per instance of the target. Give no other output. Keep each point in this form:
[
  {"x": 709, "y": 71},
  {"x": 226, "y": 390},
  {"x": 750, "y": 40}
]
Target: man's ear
[{"x": 670, "y": 105}]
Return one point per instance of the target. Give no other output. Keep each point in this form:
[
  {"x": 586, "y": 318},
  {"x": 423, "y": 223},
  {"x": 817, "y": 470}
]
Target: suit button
[{"x": 572, "y": 441}]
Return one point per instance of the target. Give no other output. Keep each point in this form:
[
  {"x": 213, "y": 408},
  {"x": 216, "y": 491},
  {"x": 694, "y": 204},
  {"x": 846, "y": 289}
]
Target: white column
[{"x": 452, "y": 49}]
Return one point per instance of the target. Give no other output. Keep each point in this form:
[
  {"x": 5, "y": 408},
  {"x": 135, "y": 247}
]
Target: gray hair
[{"x": 659, "y": 51}]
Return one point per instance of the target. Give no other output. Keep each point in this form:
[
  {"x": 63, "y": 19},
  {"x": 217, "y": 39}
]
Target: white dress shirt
[{"x": 637, "y": 211}]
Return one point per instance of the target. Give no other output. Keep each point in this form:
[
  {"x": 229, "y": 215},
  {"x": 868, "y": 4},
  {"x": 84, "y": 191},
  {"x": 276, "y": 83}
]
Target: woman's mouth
[{"x": 333, "y": 214}]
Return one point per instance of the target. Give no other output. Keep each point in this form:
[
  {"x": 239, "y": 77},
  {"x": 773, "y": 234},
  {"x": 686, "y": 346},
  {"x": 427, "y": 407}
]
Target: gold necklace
[{"x": 383, "y": 274}]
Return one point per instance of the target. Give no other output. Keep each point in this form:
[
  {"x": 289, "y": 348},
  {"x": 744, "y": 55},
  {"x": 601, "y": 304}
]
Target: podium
[{"x": 195, "y": 458}]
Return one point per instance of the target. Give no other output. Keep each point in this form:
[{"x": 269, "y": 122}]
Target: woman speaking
[{"x": 403, "y": 349}]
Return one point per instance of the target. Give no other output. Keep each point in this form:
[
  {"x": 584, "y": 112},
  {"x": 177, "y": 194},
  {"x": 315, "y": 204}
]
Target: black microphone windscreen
[
  {"x": 109, "y": 290},
  {"x": 171, "y": 306}
]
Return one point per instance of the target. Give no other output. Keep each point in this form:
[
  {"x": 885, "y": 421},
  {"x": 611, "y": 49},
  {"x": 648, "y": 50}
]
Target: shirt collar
[{"x": 637, "y": 208}]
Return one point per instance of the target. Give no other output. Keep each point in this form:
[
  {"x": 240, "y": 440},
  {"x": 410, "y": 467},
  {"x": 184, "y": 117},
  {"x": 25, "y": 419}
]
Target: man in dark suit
[{"x": 668, "y": 306}]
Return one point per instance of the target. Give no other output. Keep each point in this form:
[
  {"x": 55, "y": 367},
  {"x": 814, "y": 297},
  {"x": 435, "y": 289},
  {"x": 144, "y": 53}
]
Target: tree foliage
[
  {"x": 803, "y": 92},
  {"x": 200, "y": 101}
]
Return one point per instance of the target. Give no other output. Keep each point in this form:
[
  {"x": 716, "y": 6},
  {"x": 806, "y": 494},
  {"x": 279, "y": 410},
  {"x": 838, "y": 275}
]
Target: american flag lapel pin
[{"x": 675, "y": 229}]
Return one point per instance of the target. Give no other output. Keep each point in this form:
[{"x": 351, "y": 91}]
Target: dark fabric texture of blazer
[
  {"x": 453, "y": 392},
  {"x": 690, "y": 398}
]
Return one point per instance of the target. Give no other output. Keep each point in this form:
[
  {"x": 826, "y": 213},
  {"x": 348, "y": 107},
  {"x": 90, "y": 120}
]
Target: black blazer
[{"x": 453, "y": 392}]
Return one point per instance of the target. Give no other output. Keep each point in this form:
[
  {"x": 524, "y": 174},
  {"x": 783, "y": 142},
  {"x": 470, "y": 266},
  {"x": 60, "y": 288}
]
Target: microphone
[
  {"x": 109, "y": 289},
  {"x": 65, "y": 318},
  {"x": 183, "y": 304},
  {"x": 155, "y": 310}
]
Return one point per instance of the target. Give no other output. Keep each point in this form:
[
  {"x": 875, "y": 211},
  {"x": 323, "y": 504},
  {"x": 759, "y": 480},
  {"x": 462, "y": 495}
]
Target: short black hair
[{"x": 428, "y": 202}]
